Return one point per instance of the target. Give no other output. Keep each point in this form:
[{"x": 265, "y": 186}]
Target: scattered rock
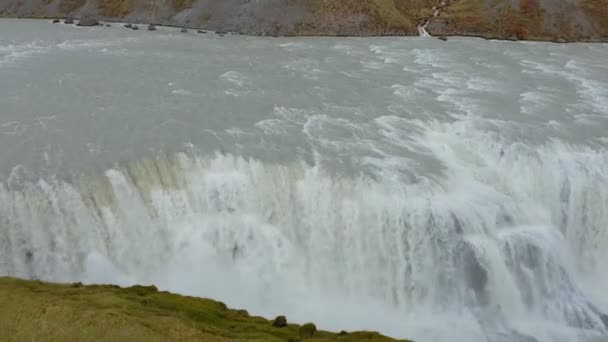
[
  {"x": 445, "y": 39},
  {"x": 604, "y": 319},
  {"x": 88, "y": 21},
  {"x": 128, "y": 26},
  {"x": 68, "y": 21},
  {"x": 29, "y": 256},
  {"x": 56, "y": 21},
  {"x": 151, "y": 27},
  {"x": 77, "y": 284},
  {"x": 279, "y": 322},
  {"x": 308, "y": 330},
  {"x": 184, "y": 30},
  {"x": 134, "y": 28}
]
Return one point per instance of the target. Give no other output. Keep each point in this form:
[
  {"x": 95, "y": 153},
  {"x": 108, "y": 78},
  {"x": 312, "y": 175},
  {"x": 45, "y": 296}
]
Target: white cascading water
[
  {"x": 440, "y": 191},
  {"x": 506, "y": 245}
]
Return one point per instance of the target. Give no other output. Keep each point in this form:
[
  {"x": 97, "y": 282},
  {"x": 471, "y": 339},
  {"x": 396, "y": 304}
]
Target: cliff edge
[{"x": 38, "y": 311}]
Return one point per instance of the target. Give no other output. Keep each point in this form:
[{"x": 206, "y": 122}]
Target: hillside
[
  {"x": 558, "y": 20},
  {"x": 36, "y": 311}
]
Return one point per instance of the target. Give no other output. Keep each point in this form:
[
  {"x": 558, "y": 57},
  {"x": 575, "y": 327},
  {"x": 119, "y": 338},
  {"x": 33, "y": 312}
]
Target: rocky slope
[
  {"x": 513, "y": 19},
  {"x": 37, "y": 311}
]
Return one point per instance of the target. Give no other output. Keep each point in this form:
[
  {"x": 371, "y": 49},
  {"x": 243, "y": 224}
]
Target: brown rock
[{"x": 88, "y": 21}]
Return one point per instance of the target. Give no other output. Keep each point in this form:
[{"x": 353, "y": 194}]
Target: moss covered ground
[{"x": 38, "y": 311}]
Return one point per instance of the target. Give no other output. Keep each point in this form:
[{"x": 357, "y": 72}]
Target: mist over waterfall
[
  {"x": 434, "y": 192},
  {"x": 499, "y": 249}
]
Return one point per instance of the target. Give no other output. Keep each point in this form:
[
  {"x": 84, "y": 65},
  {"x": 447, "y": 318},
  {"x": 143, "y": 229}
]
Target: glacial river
[{"x": 440, "y": 191}]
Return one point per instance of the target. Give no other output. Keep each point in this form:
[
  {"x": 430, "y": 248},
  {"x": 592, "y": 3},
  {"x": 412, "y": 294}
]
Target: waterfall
[{"x": 507, "y": 245}]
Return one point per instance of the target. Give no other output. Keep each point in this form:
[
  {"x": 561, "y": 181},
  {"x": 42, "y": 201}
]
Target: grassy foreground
[{"x": 38, "y": 311}]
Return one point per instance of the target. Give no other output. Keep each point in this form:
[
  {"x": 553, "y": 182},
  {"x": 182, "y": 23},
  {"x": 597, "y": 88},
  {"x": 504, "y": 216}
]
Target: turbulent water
[{"x": 442, "y": 191}]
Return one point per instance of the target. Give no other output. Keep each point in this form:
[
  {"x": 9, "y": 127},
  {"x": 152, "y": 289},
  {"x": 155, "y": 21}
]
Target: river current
[{"x": 440, "y": 191}]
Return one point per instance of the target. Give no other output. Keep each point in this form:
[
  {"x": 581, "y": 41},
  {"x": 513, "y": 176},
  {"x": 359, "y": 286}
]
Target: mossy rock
[
  {"x": 308, "y": 330},
  {"x": 279, "y": 322}
]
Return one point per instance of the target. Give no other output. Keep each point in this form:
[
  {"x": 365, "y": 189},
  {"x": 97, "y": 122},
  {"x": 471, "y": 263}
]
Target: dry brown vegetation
[
  {"x": 368, "y": 16},
  {"x": 180, "y": 5},
  {"x": 115, "y": 8},
  {"x": 495, "y": 18},
  {"x": 68, "y": 6},
  {"x": 598, "y": 10}
]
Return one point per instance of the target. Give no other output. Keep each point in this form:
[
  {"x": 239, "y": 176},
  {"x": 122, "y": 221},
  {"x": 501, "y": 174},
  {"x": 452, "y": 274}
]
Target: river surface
[{"x": 441, "y": 191}]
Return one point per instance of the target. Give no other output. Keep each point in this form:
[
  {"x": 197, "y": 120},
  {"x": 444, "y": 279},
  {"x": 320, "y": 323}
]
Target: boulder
[
  {"x": 201, "y": 31},
  {"x": 56, "y": 21},
  {"x": 68, "y": 21},
  {"x": 108, "y": 25},
  {"x": 128, "y": 26},
  {"x": 308, "y": 330},
  {"x": 184, "y": 30},
  {"x": 134, "y": 27},
  {"x": 151, "y": 27},
  {"x": 88, "y": 21},
  {"x": 279, "y": 322},
  {"x": 445, "y": 39},
  {"x": 561, "y": 40}
]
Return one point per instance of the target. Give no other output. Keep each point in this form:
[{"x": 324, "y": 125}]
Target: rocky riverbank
[
  {"x": 38, "y": 311},
  {"x": 555, "y": 20}
]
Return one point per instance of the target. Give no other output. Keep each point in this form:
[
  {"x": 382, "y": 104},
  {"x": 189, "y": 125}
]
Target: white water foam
[{"x": 508, "y": 238}]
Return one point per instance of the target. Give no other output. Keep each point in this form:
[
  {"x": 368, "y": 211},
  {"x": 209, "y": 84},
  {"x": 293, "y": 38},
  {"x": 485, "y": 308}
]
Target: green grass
[{"x": 37, "y": 311}]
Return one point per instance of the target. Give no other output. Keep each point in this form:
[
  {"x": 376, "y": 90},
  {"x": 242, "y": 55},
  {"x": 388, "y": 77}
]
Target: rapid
[{"x": 439, "y": 191}]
